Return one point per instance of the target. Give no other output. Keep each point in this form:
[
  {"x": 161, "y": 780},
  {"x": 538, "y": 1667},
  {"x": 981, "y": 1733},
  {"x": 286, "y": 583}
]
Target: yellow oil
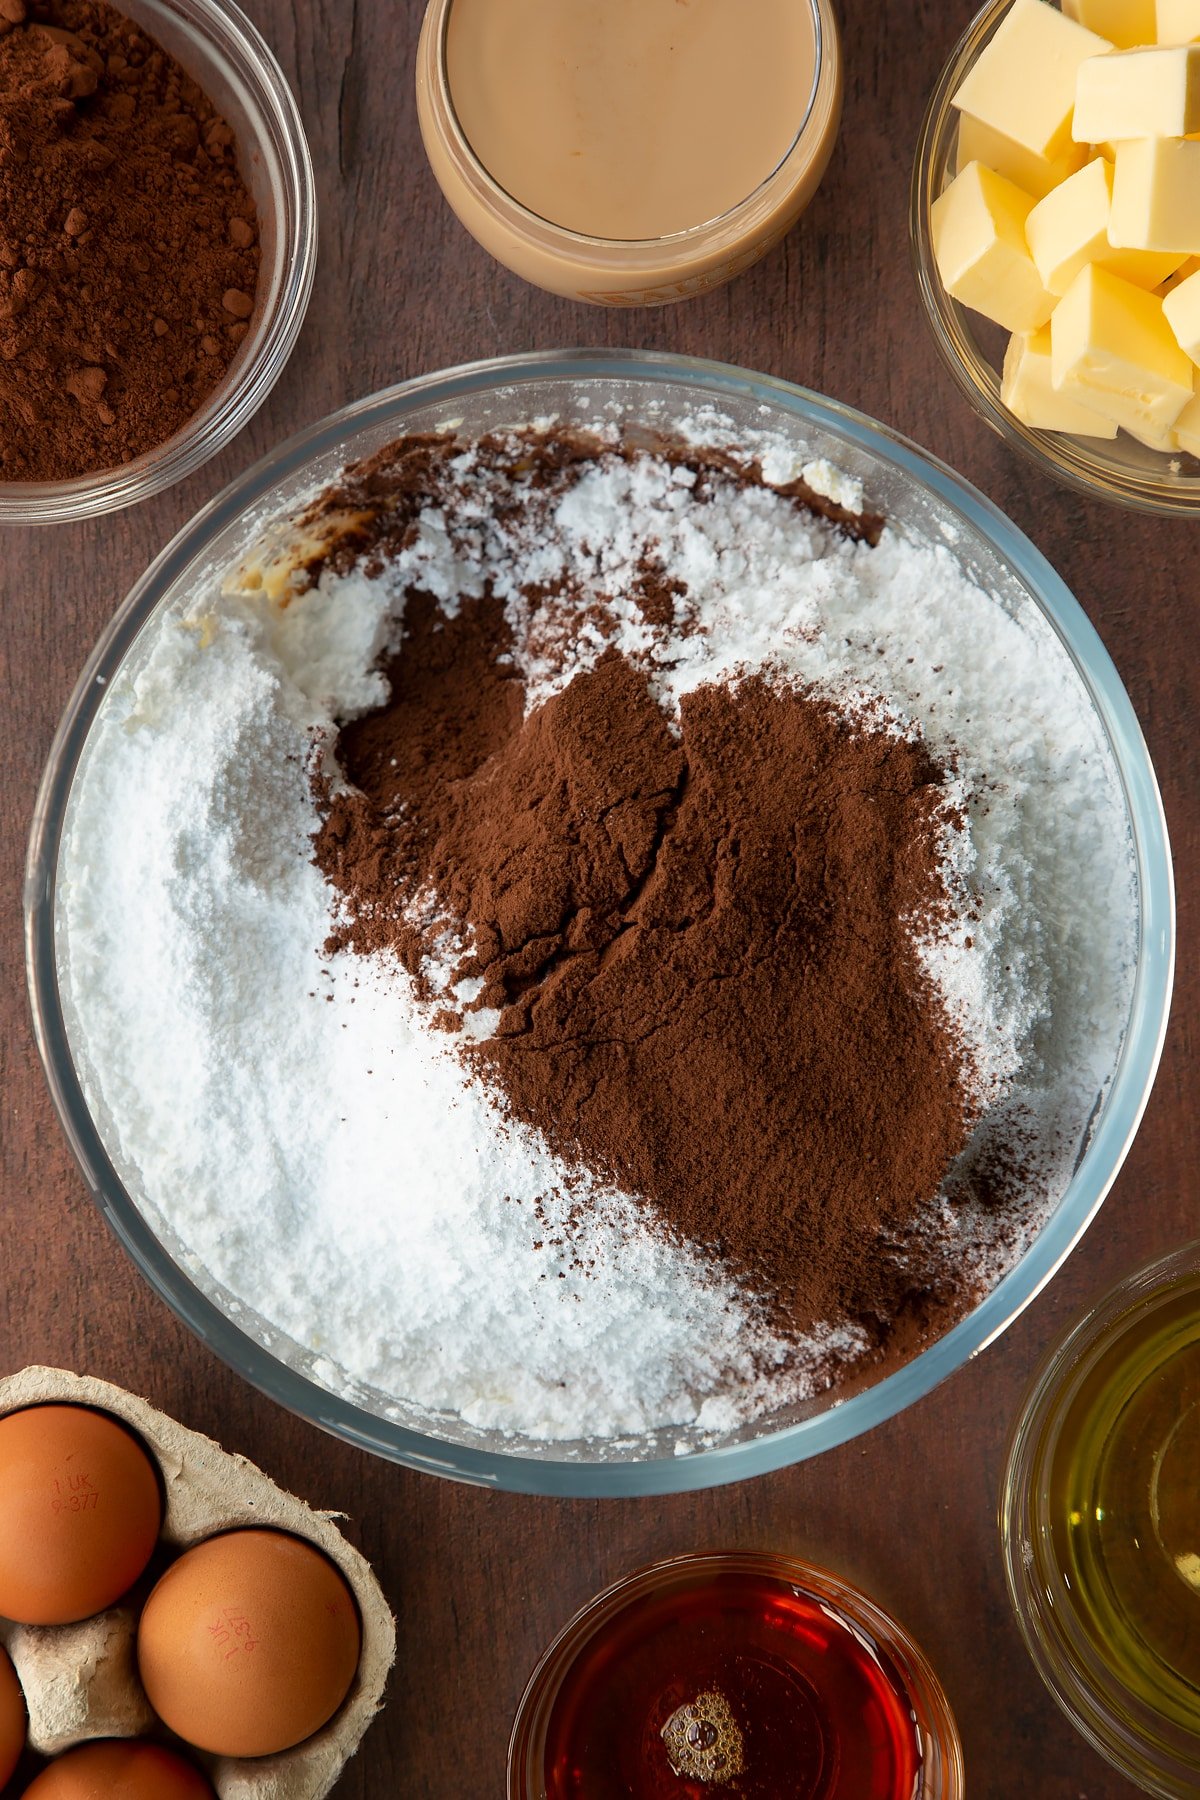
[{"x": 1125, "y": 1504}]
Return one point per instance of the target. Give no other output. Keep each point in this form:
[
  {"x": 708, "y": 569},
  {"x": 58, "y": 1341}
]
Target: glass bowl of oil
[
  {"x": 736, "y": 1674},
  {"x": 1100, "y": 1521}
]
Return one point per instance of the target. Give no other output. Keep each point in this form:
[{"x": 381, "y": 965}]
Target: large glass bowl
[
  {"x": 922, "y": 498},
  {"x": 228, "y": 57}
]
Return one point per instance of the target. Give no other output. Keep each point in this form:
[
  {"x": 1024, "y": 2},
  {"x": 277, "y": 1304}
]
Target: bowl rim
[
  {"x": 1070, "y": 460},
  {"x": 845, "y": 1419},
  {"x": 933, "y": 1716},
  {"x": 1151, "y": 1751},
  {"x": 234, "y": 40}
]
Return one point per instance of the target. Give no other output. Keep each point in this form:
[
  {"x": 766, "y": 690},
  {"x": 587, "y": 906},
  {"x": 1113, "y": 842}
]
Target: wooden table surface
[{"x": 480, "y": 1581}]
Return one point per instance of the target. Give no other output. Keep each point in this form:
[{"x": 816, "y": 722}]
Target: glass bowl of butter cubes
[{"x": 1056, "y": 237}]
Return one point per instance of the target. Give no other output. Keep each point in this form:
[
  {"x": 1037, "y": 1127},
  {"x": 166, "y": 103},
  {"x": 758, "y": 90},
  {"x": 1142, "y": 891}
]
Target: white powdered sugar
[{"x": 321, "y": 1157}]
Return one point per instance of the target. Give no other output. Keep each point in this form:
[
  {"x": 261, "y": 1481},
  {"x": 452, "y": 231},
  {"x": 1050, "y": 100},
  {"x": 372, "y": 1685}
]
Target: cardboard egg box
[{"x": 80, "y": 1681}]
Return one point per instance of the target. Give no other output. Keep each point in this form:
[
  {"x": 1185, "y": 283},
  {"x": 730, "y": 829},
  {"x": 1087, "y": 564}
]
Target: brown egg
[
  {"x": 248, "y": 1643},
  {"x": 79, "y": 1513},
  {"x": 125, "y": 1770},
  {"x": 12, "y": 1718}
]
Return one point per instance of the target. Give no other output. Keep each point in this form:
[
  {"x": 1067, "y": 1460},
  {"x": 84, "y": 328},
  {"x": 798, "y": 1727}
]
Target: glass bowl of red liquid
[{"x": 734, "y": 1674}]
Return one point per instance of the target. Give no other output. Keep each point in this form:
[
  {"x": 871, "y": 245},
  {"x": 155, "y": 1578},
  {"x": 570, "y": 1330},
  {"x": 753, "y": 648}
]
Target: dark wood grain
[{"x": 480, "y": 1581}]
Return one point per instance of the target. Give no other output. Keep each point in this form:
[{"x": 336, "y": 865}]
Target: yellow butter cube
[
  {"x": 1182, "y": 309},
  {"x": 1187, "y": 428},
  {"x": 1028, "y": 392},
  {"x": 978, "y": 142},
  {"x": 1070, "y": 228},
  {"x": 979, "y": 245},
  {"x": 1156, "y": 196},
  {"x": 1023, "y": 81},
  {"x": 1138, "y": 94},
  {"x": 1178, "y": 21},
  {"x": 1112, "y": 350},
  {"x": 1125, "y": 23}
]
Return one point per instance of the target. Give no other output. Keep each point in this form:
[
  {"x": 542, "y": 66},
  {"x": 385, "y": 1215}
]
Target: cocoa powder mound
[
  {"x": 128, "y": 242},
  {"x": 700, "y": 948}
]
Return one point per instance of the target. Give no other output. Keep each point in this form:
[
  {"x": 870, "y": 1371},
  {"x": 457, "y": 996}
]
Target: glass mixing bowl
[
  {"x": 920, "y": 497},
  {"x": 972, "y": 348},
  {"x": 217, "y": 45}
]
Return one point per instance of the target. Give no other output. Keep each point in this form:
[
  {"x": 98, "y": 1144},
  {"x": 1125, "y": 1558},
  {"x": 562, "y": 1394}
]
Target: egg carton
[{"x": 80, "y": 1681}]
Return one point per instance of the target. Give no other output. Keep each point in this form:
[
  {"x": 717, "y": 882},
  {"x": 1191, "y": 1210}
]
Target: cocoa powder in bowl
[
  {"x": 699, "y": 950},
  {"x": 128, "y": 242}
]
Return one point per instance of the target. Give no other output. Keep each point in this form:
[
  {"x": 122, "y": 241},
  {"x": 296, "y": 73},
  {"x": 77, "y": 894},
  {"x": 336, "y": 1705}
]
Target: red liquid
[{"x": 820, "y": 1713}]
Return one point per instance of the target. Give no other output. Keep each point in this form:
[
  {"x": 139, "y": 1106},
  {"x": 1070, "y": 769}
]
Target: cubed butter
[
  {"x": 1070, "y": 228},
  {"x": 978, "y": 142},
  {"x": 1182, "y": 310},
  {"x": 1028, "y": 392},
  {"x": 1112, "y": 350},
  {"x": 1138, "y": 94},
  {"x": 1023, "y": 82},
  {"x": 1125, "y": 23},
  {"x": 979, "y": 244},
  {"x": 1187, "y": 428},
  {"x": 1156, "y": 196},
  {"x": 1178, "y": 21}
]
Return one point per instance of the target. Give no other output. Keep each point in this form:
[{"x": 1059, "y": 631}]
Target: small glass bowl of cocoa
[{"x": 125, "y": 366}]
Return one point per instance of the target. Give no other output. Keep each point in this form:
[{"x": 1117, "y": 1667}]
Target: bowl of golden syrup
[
  {"x": 712, "y": 1676},
  {"x": 1100, "y": 1521}
]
